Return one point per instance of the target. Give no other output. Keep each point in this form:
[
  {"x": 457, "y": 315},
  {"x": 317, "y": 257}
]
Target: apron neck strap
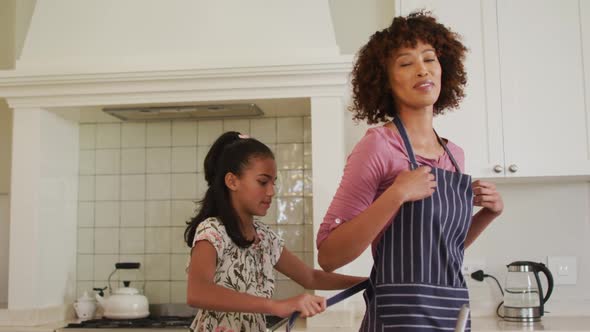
[{"x": 413, "y": 163}]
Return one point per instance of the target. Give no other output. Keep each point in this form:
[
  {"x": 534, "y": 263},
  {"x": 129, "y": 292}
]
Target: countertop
[{"x": 480, "y": 324}]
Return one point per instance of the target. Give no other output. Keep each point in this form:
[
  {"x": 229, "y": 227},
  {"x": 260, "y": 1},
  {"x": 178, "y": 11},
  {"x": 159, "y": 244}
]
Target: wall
[
  {"x": 5, "y": 158},
  {"x": 138, "y": 184}
]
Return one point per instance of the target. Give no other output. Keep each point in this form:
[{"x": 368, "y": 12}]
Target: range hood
[{"x": 215, "y": 111}]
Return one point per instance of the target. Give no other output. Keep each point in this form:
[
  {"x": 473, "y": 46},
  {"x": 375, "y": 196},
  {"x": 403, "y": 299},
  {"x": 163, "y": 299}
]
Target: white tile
[
  {"x": 307, "y": 161},
  {"x": 184, "y": 159},
  {"x": 158, "y": 292},
  {"x": 157, "y": 240},
  {"x": 85, "y": 214},
  {"x": 87, "y": 162},
  {"x": 85, "y": 267},
  {"x": 184, "y": 133},
  {"x": 106, "y": 240},
  {"x": 133, "y": 161},
  {"x": 184, "y": 186},
  {"x": 178, "y": 291},
  {"x": 158, "y": 160},
  {"x": 289, "y": 156},
  {"x": 309, "y": 239},
  {"x": 240, "y": 125},
  {"x": 108, "y": 135},
  {"x": 103, "y": 266},
  {"x": 84, "y": 286},
  {"x": 201, "y": 154},
  {"x": 290, "y": 210},
  {"x": 308, "y": 210},
  {"x": 201, "y": 186},
  {"x": 307, "y": 129},
  {"x": 294, "y": 236},
  {"x": 178, "y": 267},
  {"x": 287, "y": 288},
  {"x": 209, "y": 131},
  {"x": 290, "y": 184},
  {"x": 177, "y": 241},
  {"x": 159, "y": 134},
  {"x": 133, "y": 214},
  {"x": 108, "y": 161},
  {"x": 158, "y": 186},
  {"x": 182, "y": 211},
  {"x": 307, "y": 183},
  {"x": 86, "y": 188},
  {"x": 290, "y": 130},
  {"x": 134, "y": 274},
  {"x": 133, "y": 135},
  {"x": 264, "y": 130},
  {"x": 157, "y": 267},
  {"x": 85, "y": 240},
  {"x": 107, "y": 214},
  {"x": 132, "y": 187},
  {"x": 132, "y": 240},
  {"x": 107, "y": 188},
  {"x": 87, "y": 136},
  {"x": 158, "y": 213}
]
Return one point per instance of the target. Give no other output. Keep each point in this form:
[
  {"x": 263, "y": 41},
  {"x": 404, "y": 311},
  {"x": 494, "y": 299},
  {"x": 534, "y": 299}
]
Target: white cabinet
[{"x": 525, "y": 110}]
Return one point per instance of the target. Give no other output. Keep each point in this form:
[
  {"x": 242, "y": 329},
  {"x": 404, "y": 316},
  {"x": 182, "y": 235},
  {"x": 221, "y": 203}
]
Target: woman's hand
[
  {"x": 307, "y": 304},
  {"x": 486, "y": 196},
  {"x": 414, "y": 185}
]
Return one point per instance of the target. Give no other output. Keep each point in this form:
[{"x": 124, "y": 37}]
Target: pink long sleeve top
[{"x": 370, "y": 169}]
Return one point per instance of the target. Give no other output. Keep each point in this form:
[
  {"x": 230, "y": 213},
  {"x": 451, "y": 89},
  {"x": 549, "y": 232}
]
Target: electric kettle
[{"x": 523, "y": 295}]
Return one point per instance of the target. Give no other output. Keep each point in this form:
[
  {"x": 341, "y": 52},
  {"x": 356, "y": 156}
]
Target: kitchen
[{"x": 57, "y": 111}]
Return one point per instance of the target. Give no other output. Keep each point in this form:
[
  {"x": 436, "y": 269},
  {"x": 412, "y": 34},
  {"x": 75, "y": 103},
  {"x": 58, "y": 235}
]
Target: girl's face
[
  {"x": 253, "y": 190},
  {"x": 415, "y": 76}
]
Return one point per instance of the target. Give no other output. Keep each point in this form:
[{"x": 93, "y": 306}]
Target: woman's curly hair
[{"x": 373, "y": 100}]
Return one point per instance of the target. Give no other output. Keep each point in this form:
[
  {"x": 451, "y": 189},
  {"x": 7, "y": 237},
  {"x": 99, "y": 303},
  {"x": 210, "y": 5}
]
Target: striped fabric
[{"x": 416, "y": 282}]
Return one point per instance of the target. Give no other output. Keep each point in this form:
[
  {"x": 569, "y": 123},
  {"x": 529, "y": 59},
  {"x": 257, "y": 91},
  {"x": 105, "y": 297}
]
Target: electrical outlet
[
  {"x": 564, "y": 269},
  {"x": 472, "y": 265}
]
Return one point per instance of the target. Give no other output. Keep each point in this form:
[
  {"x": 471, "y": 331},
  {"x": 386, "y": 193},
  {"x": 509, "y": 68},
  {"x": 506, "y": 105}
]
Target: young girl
[{"x": 230, "y": 276}]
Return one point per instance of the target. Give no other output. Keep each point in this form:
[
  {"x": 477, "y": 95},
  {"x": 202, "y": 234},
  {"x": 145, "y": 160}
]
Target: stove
[{"x": 161, "y": 323}]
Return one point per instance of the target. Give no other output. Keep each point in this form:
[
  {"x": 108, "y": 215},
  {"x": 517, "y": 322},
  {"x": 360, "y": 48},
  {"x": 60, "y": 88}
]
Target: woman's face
[
  {"x": 254, "y": 189},
  {"x": 415, "y": 76}
]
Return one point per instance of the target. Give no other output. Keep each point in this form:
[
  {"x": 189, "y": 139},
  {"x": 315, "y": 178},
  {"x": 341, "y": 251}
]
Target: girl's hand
[
  {"x": 486, "y": 196},
  {"x": 307, "y": 304},
  {"x": 414, "y": 185}
]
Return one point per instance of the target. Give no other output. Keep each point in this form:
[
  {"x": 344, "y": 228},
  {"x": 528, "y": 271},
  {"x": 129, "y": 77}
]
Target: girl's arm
[
  {"x": 291, "y": 266},
  {"x": 205, "y": 294}
]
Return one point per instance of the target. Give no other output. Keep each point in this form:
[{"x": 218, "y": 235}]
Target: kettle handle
[{"x": 541, "y": 267}]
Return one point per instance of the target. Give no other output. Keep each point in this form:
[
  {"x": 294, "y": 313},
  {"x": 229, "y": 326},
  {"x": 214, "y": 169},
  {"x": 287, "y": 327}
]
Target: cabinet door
[
  {"x": 476, "y": 126},
  {"x": 542, "y": 87}
]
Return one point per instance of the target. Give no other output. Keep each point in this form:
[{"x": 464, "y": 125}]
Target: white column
[{"x": 43, "y": 210}]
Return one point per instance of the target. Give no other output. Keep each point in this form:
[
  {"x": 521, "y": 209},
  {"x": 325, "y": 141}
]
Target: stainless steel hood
[{"x": 197, "y": 112}]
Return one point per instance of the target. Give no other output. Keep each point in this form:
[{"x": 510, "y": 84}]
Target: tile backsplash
[{"x": 138, "y": 186}]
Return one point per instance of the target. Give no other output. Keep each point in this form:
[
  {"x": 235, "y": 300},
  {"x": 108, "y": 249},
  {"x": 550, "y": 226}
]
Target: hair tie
[{"x": 243, "y": 136}]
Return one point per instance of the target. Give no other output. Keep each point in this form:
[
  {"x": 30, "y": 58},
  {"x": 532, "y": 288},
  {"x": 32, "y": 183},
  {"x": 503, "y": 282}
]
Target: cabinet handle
[
  {"x": 513, "y": 168},
  {"x": 498, "y": 169}
]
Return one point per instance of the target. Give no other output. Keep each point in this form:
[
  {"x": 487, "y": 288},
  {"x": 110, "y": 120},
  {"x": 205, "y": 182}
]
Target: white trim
[{"x": 320, "y": 79}]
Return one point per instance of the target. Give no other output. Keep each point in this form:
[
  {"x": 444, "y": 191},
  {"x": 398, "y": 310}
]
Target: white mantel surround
[{"x": 36, "y": 284}]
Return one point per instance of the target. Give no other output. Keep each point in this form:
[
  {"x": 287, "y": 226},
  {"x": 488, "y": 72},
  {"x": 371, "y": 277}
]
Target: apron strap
[
  {"x": 333, "y": 300},
  {"x": 414, "y": 164}
]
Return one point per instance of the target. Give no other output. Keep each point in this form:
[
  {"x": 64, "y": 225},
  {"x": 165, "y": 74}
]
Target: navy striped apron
[{"x": 416, "y": 282}]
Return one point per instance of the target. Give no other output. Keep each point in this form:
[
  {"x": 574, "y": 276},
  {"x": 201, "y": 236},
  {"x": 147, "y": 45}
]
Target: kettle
[
  {"x": 523, "y": 295},
  {"x": 125, "y": 302}
]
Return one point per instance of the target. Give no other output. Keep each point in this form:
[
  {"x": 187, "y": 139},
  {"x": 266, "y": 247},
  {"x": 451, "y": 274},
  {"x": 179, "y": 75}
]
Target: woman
[{"x": 403, "y": 188}]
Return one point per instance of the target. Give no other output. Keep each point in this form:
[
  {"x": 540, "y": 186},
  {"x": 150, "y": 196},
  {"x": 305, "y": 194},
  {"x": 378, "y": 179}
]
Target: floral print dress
[{"x": 247, "y": 270}]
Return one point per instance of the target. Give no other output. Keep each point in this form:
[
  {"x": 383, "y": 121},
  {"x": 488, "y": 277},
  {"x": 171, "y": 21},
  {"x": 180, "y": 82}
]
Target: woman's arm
[
  {"x": 486, "y": 196},
  {"x": 205, "y": 294},
  {"x": 348, "y": 241},
  {"x": 291, "y": 266}
]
